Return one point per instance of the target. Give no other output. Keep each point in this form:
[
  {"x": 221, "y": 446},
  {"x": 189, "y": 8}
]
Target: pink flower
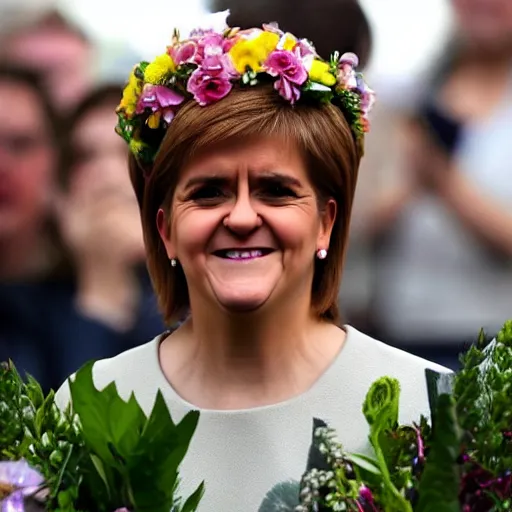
[
  {"x": 159, "y": 98},
  {"x": 306, "y": 48},
  {"x": 219, "y": 63},
  {"x": 184, "y": 53},
  {"x": 212, "y": 44},
  {"x": 286, "y": 64},
  {"x": 287, "y": 90},
  {"x": 291, "y": 72},
  {"x": 346, "y": 70},
  {"x": 209, "y": 85},
  {"x": 273, "y": 27},
  {"x": 350, "y": 58}
]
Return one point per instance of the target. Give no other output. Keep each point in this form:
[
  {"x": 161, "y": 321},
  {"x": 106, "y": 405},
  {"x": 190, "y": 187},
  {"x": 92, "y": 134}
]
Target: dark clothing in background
[{"x": 44, "y": 335}]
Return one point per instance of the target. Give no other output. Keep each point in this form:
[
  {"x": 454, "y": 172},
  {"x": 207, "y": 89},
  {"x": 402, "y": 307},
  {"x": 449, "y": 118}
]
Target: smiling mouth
[{"x": 245, "y": 254}]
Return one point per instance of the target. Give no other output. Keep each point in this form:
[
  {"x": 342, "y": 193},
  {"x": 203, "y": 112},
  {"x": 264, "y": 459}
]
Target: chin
[{"x": 242, "y": 304}]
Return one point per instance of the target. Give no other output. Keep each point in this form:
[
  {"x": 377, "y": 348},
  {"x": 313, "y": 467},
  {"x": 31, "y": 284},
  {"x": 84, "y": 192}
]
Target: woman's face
[
  {"x": 95, "y": 143},
  {"x": 27, "y": 160},
  {"x": 245, "y": 225},
  {"x": 487, "y": 23}
]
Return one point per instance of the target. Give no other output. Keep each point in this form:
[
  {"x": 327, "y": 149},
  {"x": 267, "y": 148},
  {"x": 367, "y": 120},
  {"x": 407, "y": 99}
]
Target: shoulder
[
  {"x": 369, "y": 359},
  {"x": 387, "y": 358},
  {"x": 131, "y": 371}
]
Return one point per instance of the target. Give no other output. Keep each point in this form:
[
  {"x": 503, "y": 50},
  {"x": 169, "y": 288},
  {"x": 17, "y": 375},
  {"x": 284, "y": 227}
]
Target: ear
[
  {"x": 327, "y": 218},
  {"x": 164, "y": 230}
]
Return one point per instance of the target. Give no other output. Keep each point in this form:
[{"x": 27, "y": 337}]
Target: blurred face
[
  {"x": 487, "y": 23},
  {"x": 27, "y": 160},
  {"x": 99, "y": 214},
  {"x": 100, "y": 154},
  {"x": 246, "y": 225},
  {"x": 61, "y": 57}
]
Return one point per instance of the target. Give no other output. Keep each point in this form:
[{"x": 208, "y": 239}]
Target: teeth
[{"x": 241, "y": 255}]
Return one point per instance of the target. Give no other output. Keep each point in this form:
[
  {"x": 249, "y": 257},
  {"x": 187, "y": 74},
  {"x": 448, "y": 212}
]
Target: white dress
[{"x": 252, "y": 460}]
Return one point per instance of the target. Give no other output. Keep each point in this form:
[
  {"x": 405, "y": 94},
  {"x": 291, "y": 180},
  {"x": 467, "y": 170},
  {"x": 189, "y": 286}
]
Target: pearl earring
[
  {"x": 173, "y": 262},
  {"x": 321, "y": 254}
]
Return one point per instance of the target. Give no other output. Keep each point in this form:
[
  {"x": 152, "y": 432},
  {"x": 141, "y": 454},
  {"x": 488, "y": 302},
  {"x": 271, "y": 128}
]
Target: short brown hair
[{"x": 320, "y": 132}]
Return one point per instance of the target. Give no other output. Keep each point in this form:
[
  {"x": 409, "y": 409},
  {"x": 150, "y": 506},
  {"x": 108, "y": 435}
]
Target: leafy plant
[{"x": 102, "y": 453}]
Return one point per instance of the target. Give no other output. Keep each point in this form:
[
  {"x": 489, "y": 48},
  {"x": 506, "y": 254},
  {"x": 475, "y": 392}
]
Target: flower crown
[{"x": 209, "y": 63}]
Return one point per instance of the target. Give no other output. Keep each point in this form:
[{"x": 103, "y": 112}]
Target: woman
[
  {"x": 101, "y": 223},
  {"x": 245, "y": 194},
  {"x": 443, "y": 269},
  {"x": 29, "y": 248},
  {"x": 100, "y": 297}
]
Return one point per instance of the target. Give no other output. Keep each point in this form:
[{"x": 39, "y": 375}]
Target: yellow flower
[
  {"x": 320, "y": 73},
  {"x": 159, "y": 70},
  {"x": 154, "y": 120},
  {"x": 252, "y": 53},
  {"x": 289, "y": 42},
  {"x": 131, "y": 95}
]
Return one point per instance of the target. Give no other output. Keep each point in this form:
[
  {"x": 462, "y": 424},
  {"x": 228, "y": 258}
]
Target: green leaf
[
  {"x": 380, "y": 407},
  {"x": 437, "y": 384},
  {"x": 107, "y": 420},
  {"x": 193, "y": 500},
  {"x": 364, "y": 462},
  {"x": 100, "y": 468},
  {"x": 439, "y": 484},
  {"x": 34, "y": 391},
  {"x": 154, "y": 466}
]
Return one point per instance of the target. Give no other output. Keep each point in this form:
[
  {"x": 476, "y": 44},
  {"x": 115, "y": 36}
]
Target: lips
[{"x": 243, "y": 254}]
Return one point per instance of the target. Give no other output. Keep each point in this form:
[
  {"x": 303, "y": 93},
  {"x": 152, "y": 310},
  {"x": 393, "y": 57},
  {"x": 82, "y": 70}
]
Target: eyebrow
[
  {"x": 206, "y": 180},
  {"x": 276, "y": 177},
  {"x": 266, "y": 176}
]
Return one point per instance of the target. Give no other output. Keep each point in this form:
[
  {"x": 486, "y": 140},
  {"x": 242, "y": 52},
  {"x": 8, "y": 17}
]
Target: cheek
[
  {"x": 191, "y": 231},
  {"x": 35, "y": 176},
  {"x": 295, "y": 228}
]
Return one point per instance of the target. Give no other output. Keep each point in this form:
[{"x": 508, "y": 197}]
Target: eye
[
  {"x": 207, "y": 193},
  {"x": 277, "y": 191}
]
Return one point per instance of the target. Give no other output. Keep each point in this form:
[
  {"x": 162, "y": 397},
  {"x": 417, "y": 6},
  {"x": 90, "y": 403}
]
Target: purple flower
[
  {"x": 291, "y": 72},
  {"x": 479, "y": 487},
  {"x": 15, "y": 502},
  {"x": 365, "y": 501},
  {"x": 21, "y": 476},
  {"x": 209, "y": 85},
  {"x": 159, "y": 98}
]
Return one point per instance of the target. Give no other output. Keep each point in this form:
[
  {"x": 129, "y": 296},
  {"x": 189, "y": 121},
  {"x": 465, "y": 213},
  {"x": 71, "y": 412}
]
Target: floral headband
[{"x": 209, "y": 63}]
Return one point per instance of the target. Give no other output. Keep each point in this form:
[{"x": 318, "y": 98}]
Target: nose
[{"x": 243, "y": 219}]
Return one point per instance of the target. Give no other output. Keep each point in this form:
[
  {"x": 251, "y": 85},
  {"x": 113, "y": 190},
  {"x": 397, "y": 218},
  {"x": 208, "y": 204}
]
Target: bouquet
[
  {"x": 461, "y": 463},
  {"x": 105, "y": 455}
]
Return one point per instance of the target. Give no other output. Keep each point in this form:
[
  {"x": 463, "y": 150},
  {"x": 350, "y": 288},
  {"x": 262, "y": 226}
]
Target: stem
[{"x": 405, "y": 506}]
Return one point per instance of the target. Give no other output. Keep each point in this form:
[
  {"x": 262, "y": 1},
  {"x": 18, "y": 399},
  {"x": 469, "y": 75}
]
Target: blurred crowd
[{"x": 430, "y": 255}]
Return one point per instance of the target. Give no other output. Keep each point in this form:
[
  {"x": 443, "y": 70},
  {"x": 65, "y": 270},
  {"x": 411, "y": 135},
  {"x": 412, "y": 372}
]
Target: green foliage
[
  {"x": 483, "y": 392},
  {"x": 380, "y": 409},
  {"x": 439, "y": 485},
  {"x": 102, "y": 454}
]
